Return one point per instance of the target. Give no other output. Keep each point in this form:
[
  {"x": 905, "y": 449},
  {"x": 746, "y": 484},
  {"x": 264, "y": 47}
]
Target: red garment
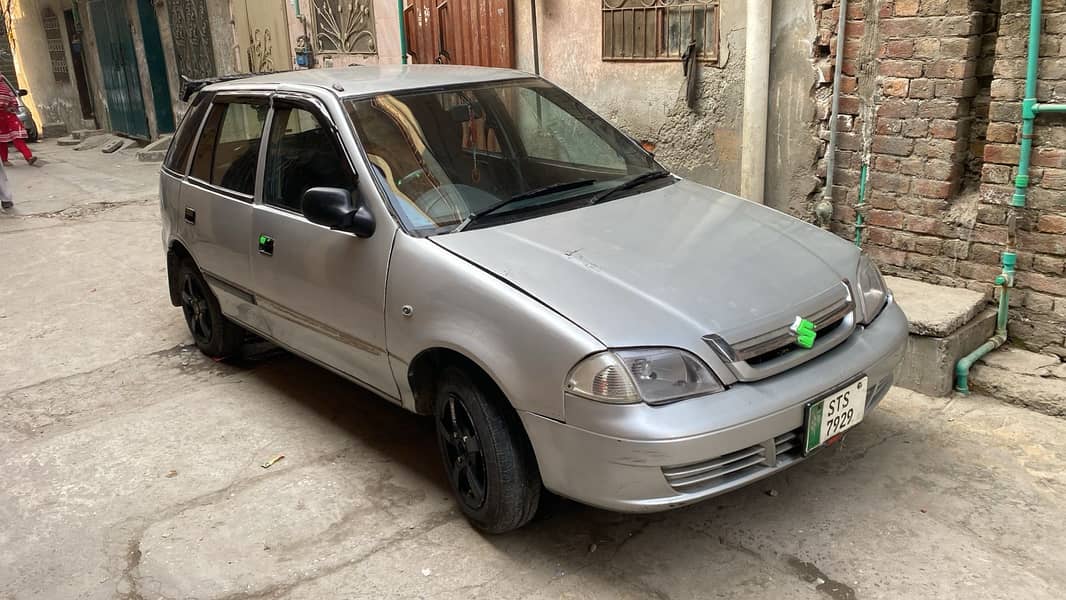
[
  {"x": 11, "y": 128},
  {"x": 20, "y": 145}
]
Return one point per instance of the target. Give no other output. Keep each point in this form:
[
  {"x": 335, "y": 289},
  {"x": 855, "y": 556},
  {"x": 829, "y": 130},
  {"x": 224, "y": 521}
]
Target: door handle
[{"x": 266, "y": 245}]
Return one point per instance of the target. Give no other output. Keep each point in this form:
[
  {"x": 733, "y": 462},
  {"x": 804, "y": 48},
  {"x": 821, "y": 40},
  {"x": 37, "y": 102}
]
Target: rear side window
[
  {"x": 181, "y": 147},
  {"x": 228, "y": 152}
]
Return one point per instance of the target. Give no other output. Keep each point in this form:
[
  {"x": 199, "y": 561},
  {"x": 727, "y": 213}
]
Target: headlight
[
  {"x": 654, "y": 375},
  {"x": 873, "y": 293}
]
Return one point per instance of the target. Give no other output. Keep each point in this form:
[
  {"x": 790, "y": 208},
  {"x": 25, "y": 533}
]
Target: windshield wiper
[
  {"x": 629, "y": 184},
  {"x": 541, "y": 191}
]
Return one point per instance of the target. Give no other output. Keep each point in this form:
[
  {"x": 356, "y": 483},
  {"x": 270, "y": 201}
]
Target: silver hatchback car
[{"x": 476, "y": 245}]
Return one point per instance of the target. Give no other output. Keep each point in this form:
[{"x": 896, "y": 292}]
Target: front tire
[
  {"x": 214, "y": 334},
  {"x": 490, "y": 465}
]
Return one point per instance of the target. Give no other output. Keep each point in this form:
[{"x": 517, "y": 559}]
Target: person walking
[{"x": 11, "y": 129}]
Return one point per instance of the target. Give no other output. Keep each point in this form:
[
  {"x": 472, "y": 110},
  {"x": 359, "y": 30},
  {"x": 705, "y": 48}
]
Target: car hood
[{"x": 664, "y": 267}]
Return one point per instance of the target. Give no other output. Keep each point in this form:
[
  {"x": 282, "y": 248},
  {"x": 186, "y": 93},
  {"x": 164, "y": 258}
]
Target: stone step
[
  {"x": 156, "y": 151},
  {"x": 68, "y": 141},
  {"x": 81, "y": 134},
  {"x": 945, "y": 324},
  {"x": 1036, "y": 381}
]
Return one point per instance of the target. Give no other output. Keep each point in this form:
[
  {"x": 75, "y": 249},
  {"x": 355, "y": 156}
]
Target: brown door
[{"x": 460, "y": 32}]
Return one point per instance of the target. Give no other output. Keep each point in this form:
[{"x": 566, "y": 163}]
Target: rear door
[
  {"x": 320, "y": 292},
  {"x": 216, "y": 204}
]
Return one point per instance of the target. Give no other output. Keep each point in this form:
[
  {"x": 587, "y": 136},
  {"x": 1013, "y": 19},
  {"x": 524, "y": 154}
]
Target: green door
[{"x": 122, "y": 82}]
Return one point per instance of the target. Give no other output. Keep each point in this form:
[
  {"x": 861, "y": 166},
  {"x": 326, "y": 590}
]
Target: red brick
[
  {"x": 1002, "y": 132},
  {"x": 897, "y": 49},
  {"x": 911, "y": 166},
  {"x": 915, "y": 128},
  {"x": 1053, "y": 179},
  {"x": 1051, "y": 224},
  {"x": 920, "y": 224},
  {"x": 848, "y": 85},
  {"x": 920, "y": 88},
  {"x": 1049, "y": 157},
  {"x": 893, "y": 145},
  {"x": 950, "y": 69},
  {"x": 882, "y": 218},
  {"x": 927, "y": 48},
  {"x": 886, "y": 126},
  {"x": 943, "y": 129},
  {"x": 900, "y": 68},
  {"x": 1044, "y": 243},
  {"x": 1001, "y": 154},
  {"x": 906, "y": 8},
  {"x": 1042, "y": 283},
  {"x": 940, "y": 109},
  {"x": 854, "y": 29},
  {"x": 850, "y": 105},
  {"x": 898, "y": 108},
  {"x": 895, "y": 86},
  {"x": 886, "y": 164},
  {"x": 886, "y": 256},
  {"x": 932, "y": 189}
]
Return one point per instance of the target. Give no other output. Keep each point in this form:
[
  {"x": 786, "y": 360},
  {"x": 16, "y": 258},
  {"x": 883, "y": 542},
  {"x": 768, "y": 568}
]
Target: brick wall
[{"x": 932, "y": 104}]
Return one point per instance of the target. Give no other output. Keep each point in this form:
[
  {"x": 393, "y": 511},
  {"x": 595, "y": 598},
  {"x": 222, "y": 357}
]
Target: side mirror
[
  {"x": 335, "y": 208},
  {"x": 23, "y": 93}
]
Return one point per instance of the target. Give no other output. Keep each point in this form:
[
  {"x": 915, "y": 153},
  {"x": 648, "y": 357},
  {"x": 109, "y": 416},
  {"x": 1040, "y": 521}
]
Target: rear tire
[
  {"x": 214, "y": 334},
  {"x": 488, "y": 460}
]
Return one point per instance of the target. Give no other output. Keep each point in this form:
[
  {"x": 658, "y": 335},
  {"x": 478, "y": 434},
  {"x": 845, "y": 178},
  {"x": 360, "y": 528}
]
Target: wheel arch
[
  {"x": 425, "y": 368},
  {"x": 176, "y": 253}
]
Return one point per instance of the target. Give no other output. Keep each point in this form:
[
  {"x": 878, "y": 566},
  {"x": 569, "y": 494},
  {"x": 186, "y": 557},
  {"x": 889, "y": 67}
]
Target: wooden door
[
  {"x": 122, "y": 80},
  {"x": 461, "y": 32}
]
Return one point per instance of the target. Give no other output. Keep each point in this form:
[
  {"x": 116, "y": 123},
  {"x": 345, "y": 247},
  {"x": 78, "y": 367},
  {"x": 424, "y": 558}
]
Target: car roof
[{"x": 374, "y": 79}]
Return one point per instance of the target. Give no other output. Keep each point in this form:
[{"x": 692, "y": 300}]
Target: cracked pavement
[{"x": 131, "y": 464}]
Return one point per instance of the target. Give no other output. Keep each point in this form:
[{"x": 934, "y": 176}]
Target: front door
[
  {"x": 122, "y": 81},
  {"x": 320, "y": 292}
]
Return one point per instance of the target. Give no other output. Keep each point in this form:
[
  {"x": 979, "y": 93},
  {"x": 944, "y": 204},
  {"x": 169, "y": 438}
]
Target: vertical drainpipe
[
  {"x": 536, "y": 41},
  {"x": 756, "y": 101},
  {"x": 823, "y": 210},
  {"x": 403, "y": 33}
]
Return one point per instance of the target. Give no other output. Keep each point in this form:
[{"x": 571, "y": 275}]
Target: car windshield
[{"x": 493, "y": 153}]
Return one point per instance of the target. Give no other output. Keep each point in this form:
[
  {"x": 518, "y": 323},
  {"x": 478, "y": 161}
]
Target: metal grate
[
  {"x": 642, "y": 30},
  {"x": 54, "y": 38},
  {"x": 727, "y": 469}
]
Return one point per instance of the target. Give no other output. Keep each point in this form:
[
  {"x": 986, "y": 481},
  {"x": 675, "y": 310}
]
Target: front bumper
[{"x": 619, "y": 457}]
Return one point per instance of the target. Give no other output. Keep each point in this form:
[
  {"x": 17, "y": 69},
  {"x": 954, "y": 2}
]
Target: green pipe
[
  {"x": 403, "y": 34},
  {"x": 862, "y": 200},
  {"x": 1049, "y": 108},
  {"x": 1021, "y": 182},
  {"x": 296, "y": 5},
  {"x": 1004, "y": 281}
]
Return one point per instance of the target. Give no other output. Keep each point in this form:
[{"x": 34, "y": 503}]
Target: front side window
[
  {"x": 302, "y": 154},
  {"x": 522, "y": 148}
]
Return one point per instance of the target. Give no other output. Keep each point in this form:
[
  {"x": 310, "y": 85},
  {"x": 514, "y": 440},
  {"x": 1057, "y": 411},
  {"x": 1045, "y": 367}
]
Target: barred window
[
  {"x": 56, "y": 55},
  {"x": 659, "y": 29}
]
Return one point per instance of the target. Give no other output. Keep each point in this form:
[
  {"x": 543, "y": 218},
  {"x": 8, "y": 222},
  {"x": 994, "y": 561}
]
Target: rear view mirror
[
  {"x": 462, "y": 113},
  {"x": 23, "y": 93},
  {"x": 335, "y": 208}
]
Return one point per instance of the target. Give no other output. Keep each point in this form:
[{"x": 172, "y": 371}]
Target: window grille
[
  {"x": 640, "y": 30},
  {"x": 56, "y": 55}
]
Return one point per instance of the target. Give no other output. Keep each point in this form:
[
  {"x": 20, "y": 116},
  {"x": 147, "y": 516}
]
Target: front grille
[
  {"x": 747, "y": 463},
  {"x": 774, "y": 350}
]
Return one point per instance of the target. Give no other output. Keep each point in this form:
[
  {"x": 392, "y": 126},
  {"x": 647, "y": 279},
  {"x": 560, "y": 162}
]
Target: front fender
[{"x": 524, "y": 346}]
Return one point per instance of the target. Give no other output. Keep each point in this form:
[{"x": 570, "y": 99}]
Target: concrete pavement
[{"x": 131, "y": 466}]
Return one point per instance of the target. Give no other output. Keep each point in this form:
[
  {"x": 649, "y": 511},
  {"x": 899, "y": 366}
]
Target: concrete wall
[{"x": 52, "y": 103}]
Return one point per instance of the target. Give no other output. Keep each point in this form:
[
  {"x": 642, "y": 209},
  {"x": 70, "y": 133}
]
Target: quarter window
[
  {"x": 178, "y": 156},
  {"x": 302, "y": 154}
]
